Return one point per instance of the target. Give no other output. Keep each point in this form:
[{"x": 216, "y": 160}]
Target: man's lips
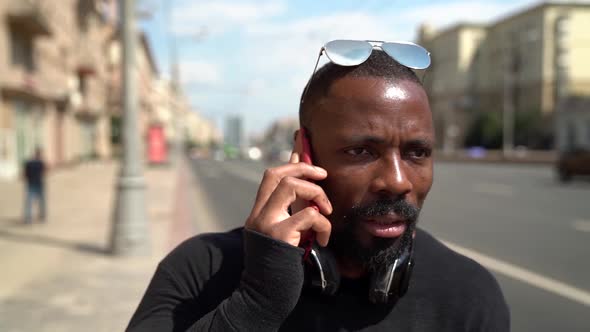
[{"x": 388, "y": 225}]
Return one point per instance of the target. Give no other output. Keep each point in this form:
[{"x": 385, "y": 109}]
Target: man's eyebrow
[
  {"x": 356, "y": 139},
  {"x": 423, "y": 142},
  {"x": 420, "y": 142}
]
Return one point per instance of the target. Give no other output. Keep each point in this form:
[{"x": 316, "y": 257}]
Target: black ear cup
[
  {"x": 391, "y": 282},
  {"x": 321, "y": 271},
  {"x": 406, "y": 275}
]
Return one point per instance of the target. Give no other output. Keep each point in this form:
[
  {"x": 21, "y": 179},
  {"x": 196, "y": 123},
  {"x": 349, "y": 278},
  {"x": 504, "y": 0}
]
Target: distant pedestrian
[{"x": 34, "y": 176}]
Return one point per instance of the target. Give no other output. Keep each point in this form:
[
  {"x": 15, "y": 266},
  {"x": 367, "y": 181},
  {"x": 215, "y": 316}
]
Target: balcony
[
  {"x": 88, "y": 57},
  {"x": 19, "y": 82},
  {"x": 91, "y": 100},
  {"x": 28, "y": 16}
]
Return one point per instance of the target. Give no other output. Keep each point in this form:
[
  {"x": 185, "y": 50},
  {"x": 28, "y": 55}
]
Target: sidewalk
[{"x": 59, "y": 276}]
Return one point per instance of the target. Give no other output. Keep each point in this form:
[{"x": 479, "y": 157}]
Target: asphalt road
[{"x": 532, "y": 232}]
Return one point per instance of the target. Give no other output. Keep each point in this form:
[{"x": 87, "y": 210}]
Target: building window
[
  {"x": 532, "y": 34},
  {"x": 82, "y": 84},
  {"x": 561, "y": 26},
  {"x": 561, "y": 57},
  {"x": 22, "y": 50}
]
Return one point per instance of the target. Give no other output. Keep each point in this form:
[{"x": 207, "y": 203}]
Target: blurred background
[{"x": 150, "y": 139}]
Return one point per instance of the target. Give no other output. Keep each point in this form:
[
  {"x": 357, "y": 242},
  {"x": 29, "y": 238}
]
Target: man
[
  {"x": 371, "y": 134},
  {"x": 34, "y": 176}
]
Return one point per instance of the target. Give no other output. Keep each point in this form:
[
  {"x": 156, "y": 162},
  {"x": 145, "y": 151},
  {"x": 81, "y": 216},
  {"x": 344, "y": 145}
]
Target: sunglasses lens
[
  {"x": 409, "y": 55},
  {"x": 348, "y": 52}
]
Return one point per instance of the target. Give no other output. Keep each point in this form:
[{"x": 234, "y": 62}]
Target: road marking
[
  {"x": 550, "y": 285},
  {"x": 493, "y": 188},
  {"x": 581, "y": 225}
]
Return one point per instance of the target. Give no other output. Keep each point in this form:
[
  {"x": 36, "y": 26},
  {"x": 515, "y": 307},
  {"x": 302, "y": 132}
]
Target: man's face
[{"x": 375, "y": 139}]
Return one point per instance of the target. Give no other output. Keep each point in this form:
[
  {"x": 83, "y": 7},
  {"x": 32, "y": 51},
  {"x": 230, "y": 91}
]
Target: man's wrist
[{"x": 273, "y": 275}]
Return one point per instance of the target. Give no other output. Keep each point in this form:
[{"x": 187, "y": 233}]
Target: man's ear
[{"x": 297, "y": 143}]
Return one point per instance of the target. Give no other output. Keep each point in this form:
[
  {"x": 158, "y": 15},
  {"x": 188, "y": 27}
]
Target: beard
[{"x": 346, "y": 244}]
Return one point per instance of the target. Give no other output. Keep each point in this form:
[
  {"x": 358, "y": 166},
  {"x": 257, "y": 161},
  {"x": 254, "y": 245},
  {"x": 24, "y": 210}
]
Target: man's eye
[
  {"x": 419, "y": 153},
  {"x": 357, "y": 152}
]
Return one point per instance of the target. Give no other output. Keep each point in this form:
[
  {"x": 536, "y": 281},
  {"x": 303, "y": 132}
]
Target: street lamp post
[{"x": 130, "y": 232}]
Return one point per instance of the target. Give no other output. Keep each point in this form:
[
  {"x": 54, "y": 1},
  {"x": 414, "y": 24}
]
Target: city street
[
  {"x": 532, "y": 232},
  {"x": 102, "y": 102}
]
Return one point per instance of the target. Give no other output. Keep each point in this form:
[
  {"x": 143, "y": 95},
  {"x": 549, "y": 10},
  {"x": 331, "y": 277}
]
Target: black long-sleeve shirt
[
  {"x": 244, "y": 281},
  {"x": 34, "y": 172}
]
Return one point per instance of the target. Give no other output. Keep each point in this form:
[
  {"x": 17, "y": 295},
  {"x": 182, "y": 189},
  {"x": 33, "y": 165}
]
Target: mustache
[
  {"x": 384, "y": 206},
  {"x": 344, "y": 241}
]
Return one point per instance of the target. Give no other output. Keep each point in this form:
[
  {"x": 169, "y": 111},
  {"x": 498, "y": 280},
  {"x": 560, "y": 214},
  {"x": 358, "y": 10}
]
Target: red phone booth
[{"x": 156, "y": 141}]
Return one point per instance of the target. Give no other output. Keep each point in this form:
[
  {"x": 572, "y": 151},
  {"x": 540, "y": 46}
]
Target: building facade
[
  {"x": 518, "y": 67},
  {"x": 61, "y": 84},
  {"x": 199, "y": 131},
  {"x": 51, "y": 92},
  {"x": 147, "y": 87},
  {"x": 234, "y": 132}
]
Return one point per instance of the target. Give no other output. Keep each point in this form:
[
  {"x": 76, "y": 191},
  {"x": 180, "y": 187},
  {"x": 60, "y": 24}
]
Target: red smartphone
[{"x": 308, "y": 237}]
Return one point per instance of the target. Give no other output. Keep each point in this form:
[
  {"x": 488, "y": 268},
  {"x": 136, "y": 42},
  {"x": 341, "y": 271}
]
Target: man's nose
[{"x": 391, "y": 177}]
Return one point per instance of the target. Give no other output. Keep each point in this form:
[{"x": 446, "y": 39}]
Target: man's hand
[{"x": 280, "y": 187}]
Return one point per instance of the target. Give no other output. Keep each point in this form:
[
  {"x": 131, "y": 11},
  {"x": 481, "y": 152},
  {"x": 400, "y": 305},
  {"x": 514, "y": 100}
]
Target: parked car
[{"x": 572, "y": 163}]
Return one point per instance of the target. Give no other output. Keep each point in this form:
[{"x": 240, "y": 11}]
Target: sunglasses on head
[{"x": 355, "y": 52}]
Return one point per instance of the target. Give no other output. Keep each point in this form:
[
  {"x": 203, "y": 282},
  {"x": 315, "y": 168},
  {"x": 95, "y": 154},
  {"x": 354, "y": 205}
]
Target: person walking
[{"x": 34, "y": 176}]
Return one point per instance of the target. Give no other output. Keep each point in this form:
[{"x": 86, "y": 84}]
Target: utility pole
[
  {"x": 508, "y": 104},
  {"x": 175, "y": 109},
  {"x": 451, "y": 129},
  {"x": 130, "y": 232},
  {"x": 175, "y": 82}
]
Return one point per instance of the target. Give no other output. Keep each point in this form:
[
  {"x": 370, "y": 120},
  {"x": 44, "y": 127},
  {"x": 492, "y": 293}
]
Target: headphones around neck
[{"x": 386, "y": 285}]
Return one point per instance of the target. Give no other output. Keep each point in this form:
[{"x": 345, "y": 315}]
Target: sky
[{"x": 253, "y": 57}]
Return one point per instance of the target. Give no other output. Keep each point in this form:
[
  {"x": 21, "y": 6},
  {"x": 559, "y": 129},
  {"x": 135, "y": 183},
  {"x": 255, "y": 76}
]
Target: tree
[
  {"x": 485, "y": 130},
  {"x": 529, "y": 130}
]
